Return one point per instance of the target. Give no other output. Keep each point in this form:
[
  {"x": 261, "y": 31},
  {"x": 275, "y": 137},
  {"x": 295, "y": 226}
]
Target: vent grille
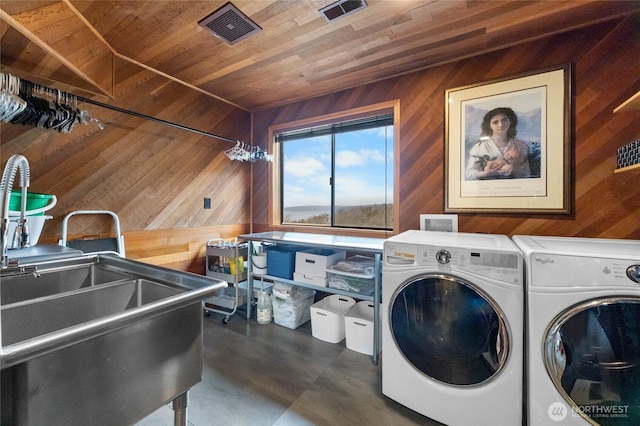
[
  {"x": 342, "y": 8},
  {"x": 229, "y": 24}
]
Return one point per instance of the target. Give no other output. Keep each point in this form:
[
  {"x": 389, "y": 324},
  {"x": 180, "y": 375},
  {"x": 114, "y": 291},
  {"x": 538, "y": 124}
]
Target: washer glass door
[
  {"x": 592, "y": 353},
  {"x": 449, "y": 329}
]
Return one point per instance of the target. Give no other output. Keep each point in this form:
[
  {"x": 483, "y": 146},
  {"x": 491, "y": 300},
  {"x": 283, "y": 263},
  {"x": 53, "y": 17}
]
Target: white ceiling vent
[
  {"x": 342, "y": 8},
  {"x": 229, "y": 24}
]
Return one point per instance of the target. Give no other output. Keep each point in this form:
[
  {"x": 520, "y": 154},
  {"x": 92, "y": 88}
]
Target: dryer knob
[
  {"x": 443, "y": 257},
  {"x": 633, "y": 272}
]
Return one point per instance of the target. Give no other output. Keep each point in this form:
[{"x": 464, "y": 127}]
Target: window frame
[{"x": 275, "y": 218}]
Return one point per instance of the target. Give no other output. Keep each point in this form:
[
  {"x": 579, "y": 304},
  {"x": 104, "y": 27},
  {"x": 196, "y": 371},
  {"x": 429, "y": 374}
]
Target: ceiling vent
[
  {"x": 342, "y": 8},
  {"x": 229, "y": 24}
]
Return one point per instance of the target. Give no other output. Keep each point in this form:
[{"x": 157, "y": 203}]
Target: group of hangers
[
  {"x": 27, "y": 103},
  {"x": 243, "y": 152}
]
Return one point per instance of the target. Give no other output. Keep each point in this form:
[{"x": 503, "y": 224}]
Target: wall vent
[
  {"x": 342, "y": 8},
  {"x": 229, "y": 24}
]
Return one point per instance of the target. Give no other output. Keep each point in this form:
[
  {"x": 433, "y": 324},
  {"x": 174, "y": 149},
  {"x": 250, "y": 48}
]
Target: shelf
[
  {"x": 316, "y": 287},
  {"x": 633, "y": 103},
  {"x": 373, "y": 246},
  {"x": 626, "y": 169}
]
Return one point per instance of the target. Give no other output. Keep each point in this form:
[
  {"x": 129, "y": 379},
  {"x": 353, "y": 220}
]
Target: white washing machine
[
  {"x": 452, "y": 326},
  {"x": 583, "y": 326}
]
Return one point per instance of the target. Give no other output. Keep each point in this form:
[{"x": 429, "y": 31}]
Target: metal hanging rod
[
  {"x": 157, "y": 120},
  {"x": 240, "y": 151}
]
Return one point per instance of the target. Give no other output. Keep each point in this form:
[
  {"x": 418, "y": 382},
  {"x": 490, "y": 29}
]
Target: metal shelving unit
[
  {"x": 226, "y": 262},
  {"x": 372, "y": 246}
]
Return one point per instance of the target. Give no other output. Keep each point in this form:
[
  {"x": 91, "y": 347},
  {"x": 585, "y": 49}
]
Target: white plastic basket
[
  {"x": 359, "y": 327},
  {"x": 327, "y": 317}
]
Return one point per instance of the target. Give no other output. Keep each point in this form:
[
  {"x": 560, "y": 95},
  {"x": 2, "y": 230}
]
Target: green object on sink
[{"x": 35, "y": 201}]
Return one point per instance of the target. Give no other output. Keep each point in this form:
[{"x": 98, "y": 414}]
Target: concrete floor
[{"x": 271, "y": 375}]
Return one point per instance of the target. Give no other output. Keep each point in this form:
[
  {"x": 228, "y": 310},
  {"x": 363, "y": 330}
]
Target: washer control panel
[{"x": 555, "y": 270}]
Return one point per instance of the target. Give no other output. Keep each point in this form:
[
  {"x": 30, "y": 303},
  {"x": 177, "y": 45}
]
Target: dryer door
[
  {"x": 449, "y": 329},
  {"x": 592, "y": 353}
]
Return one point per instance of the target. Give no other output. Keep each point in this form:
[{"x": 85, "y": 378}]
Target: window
[{"x": 338, "y": 173}]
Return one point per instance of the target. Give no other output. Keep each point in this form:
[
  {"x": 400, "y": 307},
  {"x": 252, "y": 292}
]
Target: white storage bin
[
  {"x": 355, "y": 274},
  {"x": 327, "y": 317},
  {"x": 319, "y": 281},
  {"x": 314, "y": 262},
  {"x": 359, "y": 327}
]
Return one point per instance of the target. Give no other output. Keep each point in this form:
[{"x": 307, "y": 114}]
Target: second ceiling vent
[
  {"x": 229, "y": 24},
  {"x": 342, "y": 8}
]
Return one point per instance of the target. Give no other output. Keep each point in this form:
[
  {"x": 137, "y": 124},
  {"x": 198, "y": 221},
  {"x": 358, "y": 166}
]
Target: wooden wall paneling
[
  {"x": 606, "y": 205},
  {"x": 178, "y": 248},
  {"x": 153, "y": 176}
]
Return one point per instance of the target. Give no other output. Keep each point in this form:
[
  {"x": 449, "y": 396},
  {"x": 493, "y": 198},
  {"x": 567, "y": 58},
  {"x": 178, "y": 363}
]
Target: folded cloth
[
  {"x": 291, "y": 292},
  {"x": 355, "y": 265},
  {"x": 353, "y": 284}
]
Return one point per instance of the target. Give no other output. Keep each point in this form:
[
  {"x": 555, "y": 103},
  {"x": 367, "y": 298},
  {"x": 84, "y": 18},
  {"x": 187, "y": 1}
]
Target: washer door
[
  {"x": 449, "y": 329},
  {"x": 592, "y": 354}
]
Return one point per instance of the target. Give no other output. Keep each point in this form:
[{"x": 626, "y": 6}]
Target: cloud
[
  {"x": 303, "y": 166},
  {"x": 346, "y": 158}
]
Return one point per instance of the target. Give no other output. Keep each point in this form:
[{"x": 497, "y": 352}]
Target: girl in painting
[{"x": 498, "y": 154}]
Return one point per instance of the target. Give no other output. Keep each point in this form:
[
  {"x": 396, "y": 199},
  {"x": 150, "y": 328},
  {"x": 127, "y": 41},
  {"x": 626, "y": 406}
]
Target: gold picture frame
[{"x": 531, "y": 173}]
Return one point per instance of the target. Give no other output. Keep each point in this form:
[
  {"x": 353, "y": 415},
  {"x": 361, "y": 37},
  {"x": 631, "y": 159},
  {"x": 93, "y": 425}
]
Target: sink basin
[
  {"x": 98, "y": 340},
  {"x": 23, "y": 321},
  {"x": 52, "y": 281}
]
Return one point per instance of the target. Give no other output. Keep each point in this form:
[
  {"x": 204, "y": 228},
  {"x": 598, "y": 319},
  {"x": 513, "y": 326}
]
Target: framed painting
[{"x": 508, "y": 144}]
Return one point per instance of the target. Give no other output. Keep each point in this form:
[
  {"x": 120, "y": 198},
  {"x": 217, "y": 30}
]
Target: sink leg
[{"x": 180, "y": 409}]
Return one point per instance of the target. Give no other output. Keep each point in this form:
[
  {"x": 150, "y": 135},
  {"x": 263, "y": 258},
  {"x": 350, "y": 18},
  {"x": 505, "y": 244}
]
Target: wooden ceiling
[{"x": 297, "y": 55}]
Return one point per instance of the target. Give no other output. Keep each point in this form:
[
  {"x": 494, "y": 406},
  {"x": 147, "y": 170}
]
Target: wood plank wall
[
  {"x": 606, "y": 65},
  {"x": 154, "y": 177}
]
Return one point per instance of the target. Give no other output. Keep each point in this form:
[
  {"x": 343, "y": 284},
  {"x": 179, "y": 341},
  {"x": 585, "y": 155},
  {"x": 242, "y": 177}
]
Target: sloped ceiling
[{"x": 297, "y": 55}]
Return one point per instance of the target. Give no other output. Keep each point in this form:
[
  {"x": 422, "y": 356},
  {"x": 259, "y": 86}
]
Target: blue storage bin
[{"x": 281, "y": 261}]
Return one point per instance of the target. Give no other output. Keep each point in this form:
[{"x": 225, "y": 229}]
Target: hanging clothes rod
[
  {"x": 12, "y": 107},
  {"x": 157, "y": 120},
  {"x": 239, "y": 152}
]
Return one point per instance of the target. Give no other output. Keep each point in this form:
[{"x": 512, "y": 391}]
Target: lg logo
[{"x": 557, "y": 411}]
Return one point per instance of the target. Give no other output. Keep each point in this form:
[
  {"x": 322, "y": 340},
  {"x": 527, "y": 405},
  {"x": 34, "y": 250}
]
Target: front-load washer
[
  {"x": 583, "y": 326},
  {"x": 452, "y": 326}
]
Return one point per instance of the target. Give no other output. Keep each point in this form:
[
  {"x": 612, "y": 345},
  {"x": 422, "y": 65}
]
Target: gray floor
[{"x": 271, "y": 375}]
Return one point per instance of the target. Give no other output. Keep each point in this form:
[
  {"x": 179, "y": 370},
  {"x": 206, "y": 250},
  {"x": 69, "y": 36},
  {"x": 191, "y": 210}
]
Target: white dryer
[
  {"x": 583, "y": 326},
  {"x": 452, "y": 326}
]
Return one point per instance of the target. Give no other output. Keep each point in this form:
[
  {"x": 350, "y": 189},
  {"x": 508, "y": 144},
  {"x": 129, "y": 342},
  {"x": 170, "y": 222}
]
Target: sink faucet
[{"x": 15, "y": 162}]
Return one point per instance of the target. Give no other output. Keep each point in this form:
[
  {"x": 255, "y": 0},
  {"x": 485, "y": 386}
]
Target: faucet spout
[{"x": 15, "y": 163}]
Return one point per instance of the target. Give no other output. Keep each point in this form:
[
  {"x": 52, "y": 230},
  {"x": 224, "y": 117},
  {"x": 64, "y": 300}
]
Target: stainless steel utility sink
[
  {"x": 99, "y": 340},
  {"x": 64, "y": 277}
]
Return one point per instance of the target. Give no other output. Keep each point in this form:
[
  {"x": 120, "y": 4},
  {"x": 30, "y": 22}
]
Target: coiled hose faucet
[{"x": 15, "y": 163}]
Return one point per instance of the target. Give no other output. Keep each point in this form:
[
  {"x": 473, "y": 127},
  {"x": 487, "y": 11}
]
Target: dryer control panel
[{"x": 499, "y": 265}]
